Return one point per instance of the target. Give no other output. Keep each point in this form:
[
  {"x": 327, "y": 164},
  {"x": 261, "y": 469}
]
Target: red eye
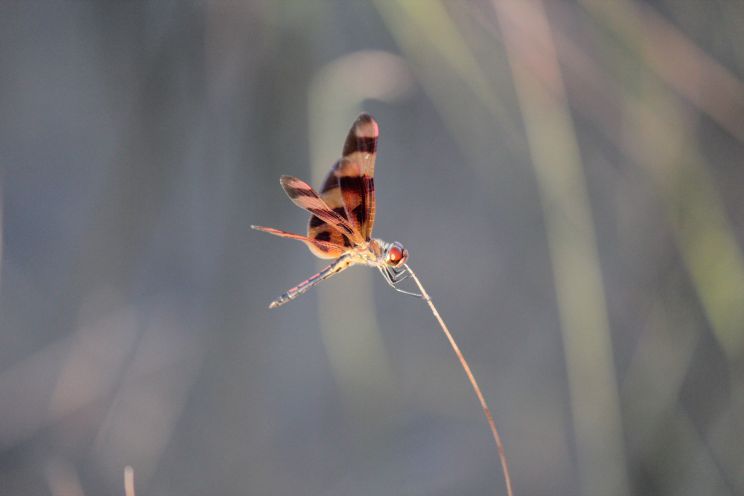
[{"x": 395, "y": 254}]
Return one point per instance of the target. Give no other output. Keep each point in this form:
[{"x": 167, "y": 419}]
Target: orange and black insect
[
  {"x": 343, "y": 215},
  {"x": 340, "y": 227}
]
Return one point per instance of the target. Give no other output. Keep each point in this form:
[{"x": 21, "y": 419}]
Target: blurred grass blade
[
  {"x": 571, "y": 239},
  {"x": 359, "y": 359},
  {"x": 698, "y": 217},
  {"x": 677, "y": 61},
  {"x": 449, "y": 72}
]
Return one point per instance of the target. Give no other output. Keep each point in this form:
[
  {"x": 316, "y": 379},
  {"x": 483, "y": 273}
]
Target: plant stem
[
  {"x": 473, "y": 382},
  {"x": 128, "y": 481}
]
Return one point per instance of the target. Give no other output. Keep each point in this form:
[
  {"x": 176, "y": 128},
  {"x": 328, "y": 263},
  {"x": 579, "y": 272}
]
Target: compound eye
[{"x": 396, "y": 255}]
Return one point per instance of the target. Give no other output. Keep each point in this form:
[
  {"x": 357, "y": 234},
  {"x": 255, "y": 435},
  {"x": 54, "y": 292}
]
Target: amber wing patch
[
  {"x": 322, "y": 248},
  {"x": 349, "y": 188},
  {"x": 332, "y": 220}
]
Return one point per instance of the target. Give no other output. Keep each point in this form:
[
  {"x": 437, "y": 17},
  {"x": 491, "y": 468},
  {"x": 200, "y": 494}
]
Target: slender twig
[
  {"x": 473, "y": 382},
  {"x": 128, "y": 481}
]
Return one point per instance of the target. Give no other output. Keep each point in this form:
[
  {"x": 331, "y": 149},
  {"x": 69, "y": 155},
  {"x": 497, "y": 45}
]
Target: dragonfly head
[{"x": 395, "y": 254}]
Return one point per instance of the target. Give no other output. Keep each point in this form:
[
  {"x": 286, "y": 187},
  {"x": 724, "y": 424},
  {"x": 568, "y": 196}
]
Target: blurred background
[{"x": 567, "y": 177}]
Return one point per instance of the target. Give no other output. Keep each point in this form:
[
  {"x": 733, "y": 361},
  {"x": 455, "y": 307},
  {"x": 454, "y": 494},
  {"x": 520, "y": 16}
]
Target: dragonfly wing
[
  {"x": 349, "y": 188},
  {"x": 305, "y": 197},
  {"x": 321, "y": 249},
  {"x": 360, "y": 147}
]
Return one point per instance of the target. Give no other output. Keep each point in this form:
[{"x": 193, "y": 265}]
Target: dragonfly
[
  {"x": 343, "y": 216},
  {"x": 340, "y": 228}
]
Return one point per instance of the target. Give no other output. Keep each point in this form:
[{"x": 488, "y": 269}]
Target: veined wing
[
  {"x": 349, "y": 187},
  {"x": 305, "y": 197},
  {"x": 354, "y": 193},
  {"x": 361, "y": 143},
  {"x": 361, "y": 148},
  {"x": 320, "y": 248}
]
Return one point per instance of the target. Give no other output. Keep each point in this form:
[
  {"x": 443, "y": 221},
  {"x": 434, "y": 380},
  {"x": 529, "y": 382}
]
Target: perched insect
[
  {"x": 340, "y": 227},
  {"x": 343, "y": 215}
]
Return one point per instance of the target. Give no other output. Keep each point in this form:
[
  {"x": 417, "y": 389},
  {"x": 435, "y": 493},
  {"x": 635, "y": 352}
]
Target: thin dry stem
[
  {"x": 473, "y": 382},
  {"x": 128, "y": 481}
]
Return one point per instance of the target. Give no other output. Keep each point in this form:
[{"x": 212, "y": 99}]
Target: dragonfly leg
[{"x": 393, "y": 277}]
